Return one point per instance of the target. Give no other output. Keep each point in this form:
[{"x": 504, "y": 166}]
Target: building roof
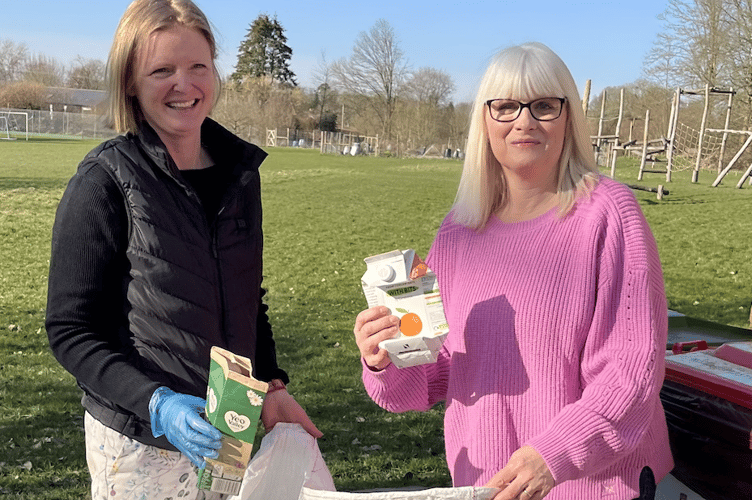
[{"x": 75, "y": 97}]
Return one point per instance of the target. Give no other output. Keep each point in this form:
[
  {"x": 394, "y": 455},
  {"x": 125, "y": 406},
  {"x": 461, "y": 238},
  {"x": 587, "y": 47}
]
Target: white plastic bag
[
  {"x": 464, "y": 493},
  {"x": 287, "y": 459}
]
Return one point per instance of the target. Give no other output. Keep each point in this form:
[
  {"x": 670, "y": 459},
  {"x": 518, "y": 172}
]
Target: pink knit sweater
[{"x": 557, "y": 340}]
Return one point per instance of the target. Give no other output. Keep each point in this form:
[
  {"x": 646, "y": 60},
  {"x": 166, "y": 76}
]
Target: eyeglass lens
[{"x": 542, "y": 109}]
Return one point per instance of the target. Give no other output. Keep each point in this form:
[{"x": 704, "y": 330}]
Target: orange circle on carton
[{"x": 410, "y": 324}]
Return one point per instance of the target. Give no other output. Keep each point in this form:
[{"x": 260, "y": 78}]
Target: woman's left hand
[
  {"x": 279, "y": 406},
  {"x": 524, "y": 477}
]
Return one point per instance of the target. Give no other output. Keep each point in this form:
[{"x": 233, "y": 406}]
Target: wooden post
[
  {"x": 733, "y": 161},
  {"x": 741, "y": 183},
  {"x": 621, "y": 116},
  {"x": 614, "y": 150},
  {"x": 675, "y": 106},
  {"x": 644, "y": 145},
  {"x": 671, "y": 115},
  {"x": 701, "y": 139},
  {"x": 631, "y": 129},
  {"x": 586, "y": 98},
  {"x": 660, "y": 189},
  {"x": 600, "y": 120},
  {"x": 726, "y": 126},
  {"x": 599, "y": 141}
]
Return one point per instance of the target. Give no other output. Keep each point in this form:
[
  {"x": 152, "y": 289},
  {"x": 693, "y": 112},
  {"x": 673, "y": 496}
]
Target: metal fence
[{"x": 23, "y": 123}]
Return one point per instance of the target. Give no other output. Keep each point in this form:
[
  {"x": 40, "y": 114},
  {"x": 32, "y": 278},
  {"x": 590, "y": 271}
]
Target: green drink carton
[
  {"x": 401, "y": 281},
  {"x": 233, "y": 405}
]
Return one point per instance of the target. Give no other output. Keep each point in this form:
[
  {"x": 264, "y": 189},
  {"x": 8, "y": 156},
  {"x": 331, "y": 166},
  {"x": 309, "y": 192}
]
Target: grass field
[{"x": 322, "y": 216}]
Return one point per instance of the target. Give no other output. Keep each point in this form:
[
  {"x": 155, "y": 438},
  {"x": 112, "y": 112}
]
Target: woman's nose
[
  {"x": 182, "y": 81},
  {"x": 525, "y": 120}
]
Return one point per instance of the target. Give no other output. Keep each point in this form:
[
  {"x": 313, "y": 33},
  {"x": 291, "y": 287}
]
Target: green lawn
[{"x": 322, "y": 216}]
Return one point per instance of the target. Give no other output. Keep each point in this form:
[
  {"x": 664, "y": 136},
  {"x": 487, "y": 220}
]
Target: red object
[{"x": 693, "y": 345}]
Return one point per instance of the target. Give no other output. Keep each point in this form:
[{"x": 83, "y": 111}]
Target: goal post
[
  {"x": 15, "y": 123},
  {"x": 4, "y": 133}
]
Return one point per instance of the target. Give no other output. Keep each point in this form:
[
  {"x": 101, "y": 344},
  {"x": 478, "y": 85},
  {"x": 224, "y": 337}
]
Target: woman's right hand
[{"x": 371, "y": 327}]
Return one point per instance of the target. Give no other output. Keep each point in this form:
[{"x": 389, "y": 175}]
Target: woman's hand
[
  {"x": 524, "y": 477},
  {"x": 279, "y": 406},
  {"x": 371, "y": 327}
]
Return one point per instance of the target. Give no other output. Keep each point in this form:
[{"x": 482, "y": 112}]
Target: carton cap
[{"x": 388, "y": 268}]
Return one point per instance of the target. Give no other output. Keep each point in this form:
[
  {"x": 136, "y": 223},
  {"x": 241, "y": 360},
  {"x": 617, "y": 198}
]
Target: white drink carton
[{"x": 401, "y": 281}]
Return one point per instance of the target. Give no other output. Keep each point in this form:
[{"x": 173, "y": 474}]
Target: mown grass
[{"x": 322, "y": 216}]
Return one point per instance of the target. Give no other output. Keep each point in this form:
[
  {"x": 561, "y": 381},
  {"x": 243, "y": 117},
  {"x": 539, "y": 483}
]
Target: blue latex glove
[{"x": 178, "y": 417}]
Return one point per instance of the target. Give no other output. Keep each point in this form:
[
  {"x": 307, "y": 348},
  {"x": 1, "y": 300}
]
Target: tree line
[
  {"x": 372, "y": 92},
  {"x": 25, "y": 76},
  {"x": 376, "y": 91}
]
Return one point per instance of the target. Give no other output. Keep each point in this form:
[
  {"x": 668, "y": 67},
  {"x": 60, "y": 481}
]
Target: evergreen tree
[{"x": 264, "y": 53}]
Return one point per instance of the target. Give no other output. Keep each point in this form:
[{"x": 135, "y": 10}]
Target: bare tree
[
  {"x": 426, "y": 95},
  {"x": 457, "y": 122},
  {"x": 376, "y": 70},
  {"x": 430, "y": 86},
  {"x": 87, "y": 74},
  {"x": 695, "y": 41},
  {"x": 251, "y": 107},
  {"x": 233, "y": 111},
  {"x": 44, "y": 70},
  {"x": 741, "y": 55},
  {"x": 661, "y": 64},
  {"x": 324, "y": 95},
  {"x": 12, "y": 59}
]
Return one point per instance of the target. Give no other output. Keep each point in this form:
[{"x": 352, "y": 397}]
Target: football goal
[{"x": 14, "y": 124}]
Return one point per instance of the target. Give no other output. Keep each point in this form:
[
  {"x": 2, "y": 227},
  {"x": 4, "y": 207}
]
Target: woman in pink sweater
[{"x": 553, "y": 291}]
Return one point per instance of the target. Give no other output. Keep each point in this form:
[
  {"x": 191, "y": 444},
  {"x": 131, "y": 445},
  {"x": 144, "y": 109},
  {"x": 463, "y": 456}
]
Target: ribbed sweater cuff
[{"x": 397, "y": 390}]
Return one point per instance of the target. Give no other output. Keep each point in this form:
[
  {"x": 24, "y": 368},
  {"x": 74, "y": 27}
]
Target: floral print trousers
[{"x": 124, "y": 469}]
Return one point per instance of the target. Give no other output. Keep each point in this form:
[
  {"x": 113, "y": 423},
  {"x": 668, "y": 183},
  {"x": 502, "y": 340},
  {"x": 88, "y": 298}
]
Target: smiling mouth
[{"x": 182, "y": 105}]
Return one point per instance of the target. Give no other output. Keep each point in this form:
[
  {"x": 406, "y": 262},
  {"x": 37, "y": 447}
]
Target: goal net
[
  {"x": 687, "y": 144},
  {"x": 4, "y": 133}
]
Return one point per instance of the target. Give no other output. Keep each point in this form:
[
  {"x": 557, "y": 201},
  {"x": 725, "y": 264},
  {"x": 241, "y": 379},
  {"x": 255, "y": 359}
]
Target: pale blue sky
[{"x": 604, "y": 41}]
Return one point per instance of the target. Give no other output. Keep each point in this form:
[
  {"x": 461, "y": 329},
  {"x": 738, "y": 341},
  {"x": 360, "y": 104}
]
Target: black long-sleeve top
[{"x": 86, "y": 294}]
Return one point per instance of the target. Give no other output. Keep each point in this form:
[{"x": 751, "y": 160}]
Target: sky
[{"x": 601, "y": 41}]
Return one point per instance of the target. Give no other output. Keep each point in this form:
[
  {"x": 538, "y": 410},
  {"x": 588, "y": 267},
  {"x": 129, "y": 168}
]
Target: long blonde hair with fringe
[
  {"x": 523, "y": 72},
  {"x": 140, "y": 20}
]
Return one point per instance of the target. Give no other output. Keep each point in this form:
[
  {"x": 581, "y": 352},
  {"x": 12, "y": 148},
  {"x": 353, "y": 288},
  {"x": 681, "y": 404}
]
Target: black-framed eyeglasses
[{"x": 544, "y": 109}]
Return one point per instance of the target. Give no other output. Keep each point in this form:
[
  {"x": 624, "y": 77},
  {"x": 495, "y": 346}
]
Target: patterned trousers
[{"x": 124, "y": 469}]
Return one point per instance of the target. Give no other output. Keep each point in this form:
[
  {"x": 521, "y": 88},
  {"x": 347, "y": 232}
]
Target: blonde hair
[
  {"x": 140, "y": 20},
  {"x": 524, "y": 73}
]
